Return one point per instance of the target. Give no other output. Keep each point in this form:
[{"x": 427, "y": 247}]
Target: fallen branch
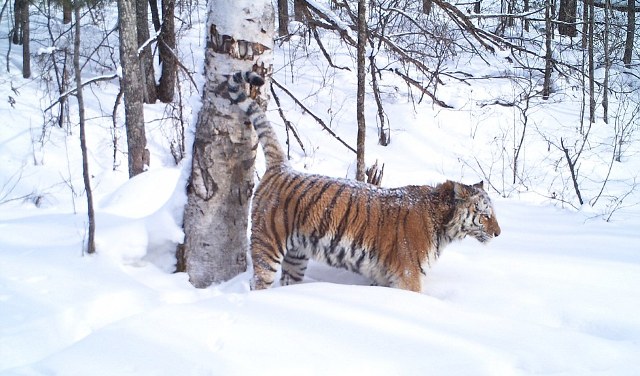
[{"x": 424, "y": 90}]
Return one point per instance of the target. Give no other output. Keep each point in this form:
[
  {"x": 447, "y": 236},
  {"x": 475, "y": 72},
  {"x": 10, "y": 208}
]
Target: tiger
[{"x": 390, "y": 235}]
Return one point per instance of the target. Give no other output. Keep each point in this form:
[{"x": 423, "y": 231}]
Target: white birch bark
[{"x": 240, "y": 38}]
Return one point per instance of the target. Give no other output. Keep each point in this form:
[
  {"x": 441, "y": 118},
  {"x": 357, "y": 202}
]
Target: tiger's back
[{"x": 391, "y": 236}]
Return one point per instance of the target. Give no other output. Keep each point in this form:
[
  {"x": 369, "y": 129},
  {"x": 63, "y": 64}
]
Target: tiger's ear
[
  {"x": 479, "y": 185},
  {"x": 460, "y": 191}
]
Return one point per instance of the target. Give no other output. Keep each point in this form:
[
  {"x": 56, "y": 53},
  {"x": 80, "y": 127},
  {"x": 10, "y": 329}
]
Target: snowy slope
[{"x": 553, "y": 294}]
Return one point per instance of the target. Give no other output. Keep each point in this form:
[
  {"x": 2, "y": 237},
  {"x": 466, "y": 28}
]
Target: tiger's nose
[{"x": 496, "y": 232}]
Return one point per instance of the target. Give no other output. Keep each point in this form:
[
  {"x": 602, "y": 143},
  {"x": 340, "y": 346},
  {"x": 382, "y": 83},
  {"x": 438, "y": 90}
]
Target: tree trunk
[
  {"x": 283, "y": 18},
  {"x": 222, "y": 172},
  {"x": 145, "y": 56},
  {"x": 426, "y": 6},
  {"x": 132, "y": 88},
  {"x": 26, "y": 51},
  {"x": 66, "y": 11},
  {"x": 590, "y": 52},
  {"x": 167, "y": 45},
  {"x": 91, "y": 245},
  {"x": 631, "y": 29},
  {"x": 362, "y": 43},
  {"x": 155, "y": 15},
  {"x": 607, "y": 63},
  {"x": 16, "y": 35},
  {"x": 298, "y": 10},
  {"x": 567, "y": 18},
  {"x": 546, "y": 86}
]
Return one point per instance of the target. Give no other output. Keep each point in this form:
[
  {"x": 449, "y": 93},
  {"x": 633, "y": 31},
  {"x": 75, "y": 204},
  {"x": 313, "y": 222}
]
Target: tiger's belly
[{"x": 343, "y": 254}]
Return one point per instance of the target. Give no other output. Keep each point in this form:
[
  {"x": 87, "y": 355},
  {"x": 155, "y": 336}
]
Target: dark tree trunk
[
  {"x": 167, "y": 44},
  {"x": 26, "y": 50},
  {"x": 16, "y": 36},
  {"x": 546, "y": 86},
  {"x": 567, "y": 18},
  {"x": 283, "y": 18},
  {"x": 145, "y": 56},
  {"x": 426, "y": 6},
  {"x": 631, "y": 29},
  {"x": 590, "y": 52},
  {"x": 66, "y": 11},
  {"x": 155, "y": 16},
  {"x": 132, "y": 88},
  {"x": 222, "y": 172},
  {"x": 298, "y": 10}
]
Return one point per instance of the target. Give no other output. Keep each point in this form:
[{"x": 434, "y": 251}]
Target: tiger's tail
[{"x": 274, "y": 155}]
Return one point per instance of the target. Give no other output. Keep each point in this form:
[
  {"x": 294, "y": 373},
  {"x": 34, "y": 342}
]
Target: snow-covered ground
[{"x": 556, "y": 293}]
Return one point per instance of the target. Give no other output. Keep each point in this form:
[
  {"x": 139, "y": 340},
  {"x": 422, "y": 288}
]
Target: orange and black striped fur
[{"x": 391, "y": 236}]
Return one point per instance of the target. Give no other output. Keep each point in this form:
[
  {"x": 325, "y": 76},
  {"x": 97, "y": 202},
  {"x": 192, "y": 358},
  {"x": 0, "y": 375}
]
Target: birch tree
[{"x": 240, "y": 38}]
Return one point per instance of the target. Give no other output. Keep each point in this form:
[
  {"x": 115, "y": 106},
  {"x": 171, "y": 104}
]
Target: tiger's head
[{"x": 474, "y": 214}]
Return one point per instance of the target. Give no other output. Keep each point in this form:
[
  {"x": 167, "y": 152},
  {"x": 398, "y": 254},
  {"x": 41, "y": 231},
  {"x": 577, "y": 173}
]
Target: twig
[
  {"x": 572, "y": 170},
  {"x": 316, "y": 118},
  {"x": 73, "y": 91},
  {"x": 287, "y": 123}
]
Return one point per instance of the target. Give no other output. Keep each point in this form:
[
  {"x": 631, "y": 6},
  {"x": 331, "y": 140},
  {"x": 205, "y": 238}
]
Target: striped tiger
[{"x": 391, "y": 236}]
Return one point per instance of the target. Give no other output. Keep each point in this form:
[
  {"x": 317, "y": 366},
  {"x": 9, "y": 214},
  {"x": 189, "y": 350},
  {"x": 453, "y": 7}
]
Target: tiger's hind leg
[
  {"x": 266, "y": 262},
  {"x": 294, "y": 266}
]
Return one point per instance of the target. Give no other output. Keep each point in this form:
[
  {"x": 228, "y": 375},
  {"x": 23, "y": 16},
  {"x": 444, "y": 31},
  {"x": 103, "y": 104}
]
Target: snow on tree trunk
[{"x": 240, "y": 38}]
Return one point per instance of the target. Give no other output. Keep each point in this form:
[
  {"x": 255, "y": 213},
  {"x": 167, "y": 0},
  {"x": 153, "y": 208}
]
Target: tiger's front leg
[{"x": 294, "y": 266}]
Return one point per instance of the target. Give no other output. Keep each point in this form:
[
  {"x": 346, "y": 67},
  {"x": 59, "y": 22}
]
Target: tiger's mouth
[{"x": 483, "y": 237}]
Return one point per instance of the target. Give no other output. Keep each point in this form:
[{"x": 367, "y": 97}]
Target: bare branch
[{"x": 316, "y": 118}]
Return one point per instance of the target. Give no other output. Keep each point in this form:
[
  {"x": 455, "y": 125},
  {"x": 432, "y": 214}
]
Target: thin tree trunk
[
  {"x": 585, "y": 24},
  {"x": 155, "y": 16},
  {"x": 26, "y": 51},
  {"x": 145, "y": 56},
  {"x": 132, "y": 88},
  {"x": 592, "y": 80},
  {"x": 222, "y": 171},
  {"x": 91, "y": 245},
  {"x": 16, "y": 36},
  {"x": 607, "y": 64},
  {"x": 546, "y": 86},
  {"x": 631, "y": 29},
  {"x": 362, "y": 43},
  {"x": 167, "y": 44}
]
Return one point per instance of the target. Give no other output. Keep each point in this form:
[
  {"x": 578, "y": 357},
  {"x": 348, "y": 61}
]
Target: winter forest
[{"x": 126, "y": 178}]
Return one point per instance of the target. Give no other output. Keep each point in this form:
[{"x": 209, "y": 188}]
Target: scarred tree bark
[{"x": 222, "y": 172}]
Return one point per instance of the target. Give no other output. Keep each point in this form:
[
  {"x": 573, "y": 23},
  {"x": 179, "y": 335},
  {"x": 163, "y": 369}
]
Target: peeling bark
[{"x": 222, "y": 172}]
